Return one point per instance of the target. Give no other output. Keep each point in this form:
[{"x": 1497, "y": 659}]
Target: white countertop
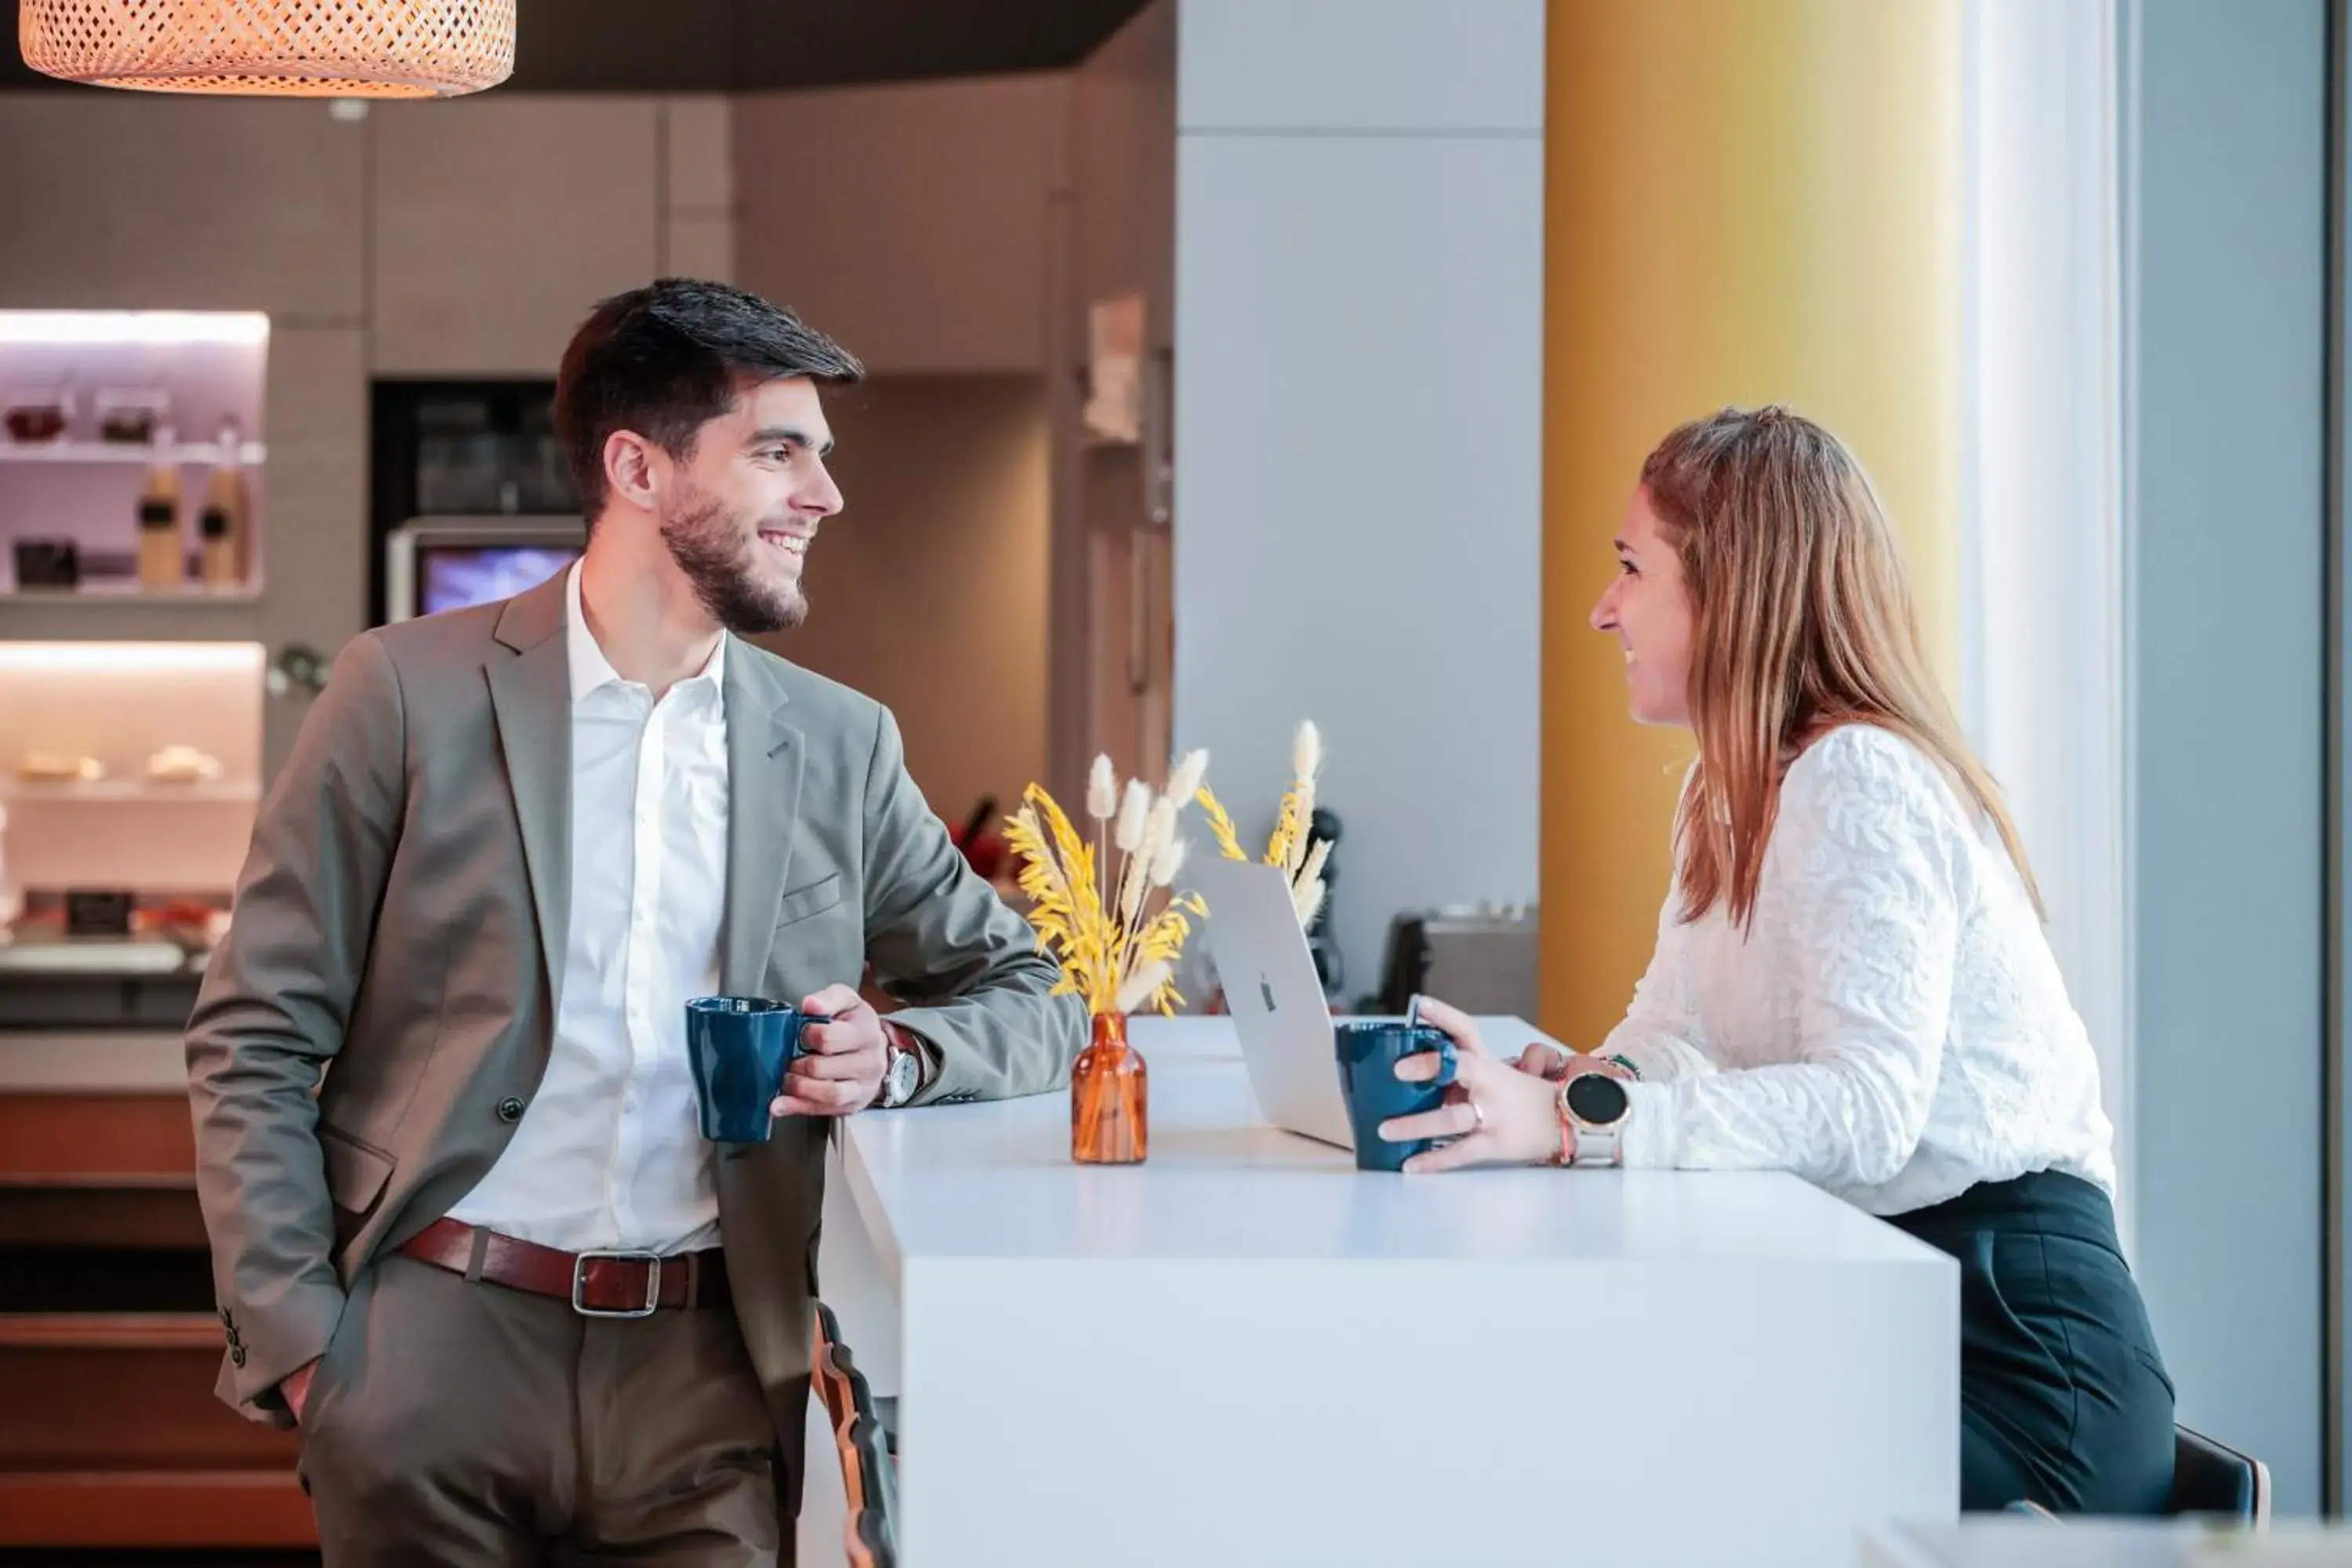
[
  {"x": 2000, "y": 1541},
  {"x": 1245, "y": 1351},
  {"x": 996, "y": 1181}
]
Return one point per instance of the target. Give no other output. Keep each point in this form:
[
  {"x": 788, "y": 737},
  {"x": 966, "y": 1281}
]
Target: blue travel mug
[
  {"x": 1369, "y": 1050},
  {"x": 739, "y": 1047}
]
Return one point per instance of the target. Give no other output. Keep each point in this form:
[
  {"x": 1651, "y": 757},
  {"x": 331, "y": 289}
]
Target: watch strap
[{"x": 1583, "y": 1143}]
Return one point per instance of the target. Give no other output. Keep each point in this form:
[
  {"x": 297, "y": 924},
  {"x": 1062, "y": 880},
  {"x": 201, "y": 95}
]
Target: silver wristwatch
[
  {"x": 1595, "y": 1104},
  {"x": 902, "y": 1075}
]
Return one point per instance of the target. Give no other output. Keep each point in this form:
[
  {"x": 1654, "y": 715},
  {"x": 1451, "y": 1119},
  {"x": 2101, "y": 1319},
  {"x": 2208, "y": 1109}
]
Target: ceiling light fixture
[{"x": 298, "y": 48}]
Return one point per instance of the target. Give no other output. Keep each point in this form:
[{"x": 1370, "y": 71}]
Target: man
[{"x": 510, "y": 843}]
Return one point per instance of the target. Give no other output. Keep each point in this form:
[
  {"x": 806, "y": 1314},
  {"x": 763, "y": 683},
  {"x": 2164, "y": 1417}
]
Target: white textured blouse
[{"x": 1894, "y": 1027}]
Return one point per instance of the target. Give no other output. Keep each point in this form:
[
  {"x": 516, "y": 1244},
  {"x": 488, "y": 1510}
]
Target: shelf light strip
[
  {"x": 161, "y": 327},
  {"x": 129, "y": 657}
]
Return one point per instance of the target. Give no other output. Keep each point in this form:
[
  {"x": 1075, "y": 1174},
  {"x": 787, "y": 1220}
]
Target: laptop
[{"x": 1275, "y": 999}]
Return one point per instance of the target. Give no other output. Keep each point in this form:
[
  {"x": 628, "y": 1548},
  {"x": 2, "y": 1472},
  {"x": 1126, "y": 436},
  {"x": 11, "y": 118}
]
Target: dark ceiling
[{"x": 741, "y": 46}]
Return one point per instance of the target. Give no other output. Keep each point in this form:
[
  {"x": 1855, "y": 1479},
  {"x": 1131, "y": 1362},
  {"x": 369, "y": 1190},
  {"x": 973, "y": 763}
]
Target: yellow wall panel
[{"x": 1746, "y": 201}]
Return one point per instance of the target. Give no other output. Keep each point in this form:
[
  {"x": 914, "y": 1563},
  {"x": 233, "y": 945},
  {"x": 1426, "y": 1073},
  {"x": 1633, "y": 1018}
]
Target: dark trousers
[
  {"x": 462, "y": 1423},
  {"x": 2063, "y": 1398}
]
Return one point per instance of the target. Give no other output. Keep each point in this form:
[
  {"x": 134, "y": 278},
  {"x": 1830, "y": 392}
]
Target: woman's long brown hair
[{"x": 1803, "y": 621}]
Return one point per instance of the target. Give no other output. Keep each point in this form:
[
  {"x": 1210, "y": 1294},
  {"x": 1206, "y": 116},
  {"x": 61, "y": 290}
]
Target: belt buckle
[{"x": 653, "y": 1284}]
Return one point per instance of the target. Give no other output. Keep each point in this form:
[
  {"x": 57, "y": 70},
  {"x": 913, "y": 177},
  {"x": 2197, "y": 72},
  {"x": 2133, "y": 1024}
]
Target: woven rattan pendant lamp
[{"x": 301, "y": 49}]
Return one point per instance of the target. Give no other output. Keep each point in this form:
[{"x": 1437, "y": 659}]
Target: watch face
[
  {"x": 899, "y": 1082},
  {"x": 1596, "y": 1098}
]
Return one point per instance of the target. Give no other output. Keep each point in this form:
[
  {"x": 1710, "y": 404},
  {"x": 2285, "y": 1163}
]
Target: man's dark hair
[{"x": 665, "y": 359}]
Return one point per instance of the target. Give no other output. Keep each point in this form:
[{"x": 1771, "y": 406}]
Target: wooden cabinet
[
  {"x": 699, "y": 155},
  {"x": 911, "y": 222},
  {"x": 108, "y": 1346},
  {"x": 501, "y": 222},
  {"x": 698, "y": 196},
  {"x": 129, "y": 202}
]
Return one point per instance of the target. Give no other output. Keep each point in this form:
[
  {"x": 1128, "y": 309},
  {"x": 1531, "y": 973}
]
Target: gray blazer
[{"x": 380, "y": 1010}]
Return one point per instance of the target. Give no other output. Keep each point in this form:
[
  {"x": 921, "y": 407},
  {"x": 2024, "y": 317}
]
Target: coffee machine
[{"x": 1480, "y": 957}]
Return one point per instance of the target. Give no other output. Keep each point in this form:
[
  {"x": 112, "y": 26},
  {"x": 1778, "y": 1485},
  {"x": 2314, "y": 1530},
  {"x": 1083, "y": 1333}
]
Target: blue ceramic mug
[
  {"x": 1369, "y": 1050},
  {"x": 739, "y": 1047}
]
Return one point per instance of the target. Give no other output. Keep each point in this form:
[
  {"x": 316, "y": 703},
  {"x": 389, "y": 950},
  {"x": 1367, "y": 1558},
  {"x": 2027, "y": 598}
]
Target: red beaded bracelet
[{"x": 1567, "y": 1154}]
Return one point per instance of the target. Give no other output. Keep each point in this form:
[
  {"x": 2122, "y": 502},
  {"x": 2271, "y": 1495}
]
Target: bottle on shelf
[
  {"x": 10, "y": 898},
  {"x": 217, "y": 550},
  {"x": 226, "y": 516},
  {"x": 163, "y": 569}
]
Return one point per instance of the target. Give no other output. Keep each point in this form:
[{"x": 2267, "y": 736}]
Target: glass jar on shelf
[
  {"x": 131, "y": 416},
  {"x": 37, "y": 412}
]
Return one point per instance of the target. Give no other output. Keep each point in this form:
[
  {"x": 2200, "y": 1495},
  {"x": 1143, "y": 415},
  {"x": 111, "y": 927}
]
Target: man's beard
[{"x": 721, "y": 562}]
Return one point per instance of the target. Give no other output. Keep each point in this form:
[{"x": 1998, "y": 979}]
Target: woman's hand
[
  {"x": 1549, "y": 1063},
  {"x": 1556, "y": 1064},
  {"x": 1496, "y": 1114}
]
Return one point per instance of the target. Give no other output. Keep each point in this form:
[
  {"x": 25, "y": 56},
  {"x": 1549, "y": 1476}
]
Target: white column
[
  {"x": 1358, "y": 435},
  {"x": 2042, "y": 614}
]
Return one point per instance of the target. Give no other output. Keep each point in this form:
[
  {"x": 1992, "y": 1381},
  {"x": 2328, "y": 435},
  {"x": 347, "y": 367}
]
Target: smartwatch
[{"x": 1594, "y": 1105}]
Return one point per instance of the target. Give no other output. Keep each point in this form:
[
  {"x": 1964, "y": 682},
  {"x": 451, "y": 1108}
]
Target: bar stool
[
  {"x": 2208, "y": 1478},
  {"x": 869, "y": 1473},
  {"x": 2211, "y": 1477}
]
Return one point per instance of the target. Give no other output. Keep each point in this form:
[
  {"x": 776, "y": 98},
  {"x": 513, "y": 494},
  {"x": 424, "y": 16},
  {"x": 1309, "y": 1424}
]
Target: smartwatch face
[{"x": 1596, "y": 1098}]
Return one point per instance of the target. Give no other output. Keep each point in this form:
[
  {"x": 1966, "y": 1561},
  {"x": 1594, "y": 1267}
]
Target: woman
[{"x": 1851, "y": 980}]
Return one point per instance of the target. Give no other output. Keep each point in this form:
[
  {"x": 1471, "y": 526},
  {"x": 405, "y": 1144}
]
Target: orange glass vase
[{"x": 1110, "y": 1098}]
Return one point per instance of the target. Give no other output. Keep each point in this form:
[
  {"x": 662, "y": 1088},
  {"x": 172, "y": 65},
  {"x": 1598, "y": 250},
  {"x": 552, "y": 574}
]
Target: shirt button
[{"x": 510, "y": 1109}]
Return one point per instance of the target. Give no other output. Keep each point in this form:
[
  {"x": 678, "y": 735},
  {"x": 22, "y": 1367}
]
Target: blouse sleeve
[{"x": 1863, "y": 857}]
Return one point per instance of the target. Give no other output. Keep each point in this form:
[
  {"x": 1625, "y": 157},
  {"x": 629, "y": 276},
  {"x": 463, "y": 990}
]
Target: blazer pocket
[
  {"x": 356, "y": 1172},
  {"x": 801, "y": 903}
]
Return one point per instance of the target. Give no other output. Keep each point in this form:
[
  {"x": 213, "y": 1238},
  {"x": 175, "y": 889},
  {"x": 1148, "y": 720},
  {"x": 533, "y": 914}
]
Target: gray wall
[
  {"x": 1358, "y": 437},
  {"x": 2224, "y": 274},
  {"x": 2337, "y": 1256}
]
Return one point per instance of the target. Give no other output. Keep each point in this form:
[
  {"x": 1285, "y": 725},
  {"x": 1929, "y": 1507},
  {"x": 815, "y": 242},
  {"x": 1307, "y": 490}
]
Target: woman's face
[{"x": 1648, "y": 611}]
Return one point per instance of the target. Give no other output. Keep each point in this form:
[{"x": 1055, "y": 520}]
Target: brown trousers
[{"x": 465, "y": 1423}]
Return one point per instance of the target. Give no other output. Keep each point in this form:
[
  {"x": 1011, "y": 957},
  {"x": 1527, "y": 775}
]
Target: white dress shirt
[
  {"x": 608, "y": 1154},
  {"x": 1893, "y": 1028}
]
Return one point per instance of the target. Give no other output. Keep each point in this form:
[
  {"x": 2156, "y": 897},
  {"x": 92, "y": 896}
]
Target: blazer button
[
  {"x": 237, "y": 1355},
  {"x": 510, "y": 1109}
]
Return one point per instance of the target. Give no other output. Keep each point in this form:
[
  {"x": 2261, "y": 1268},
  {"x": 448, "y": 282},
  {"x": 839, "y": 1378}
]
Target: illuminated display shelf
[
  {"x": 196, "y": 380},
  {"x": 186, "y": 454},
  {"x": 119, "y": 792}
]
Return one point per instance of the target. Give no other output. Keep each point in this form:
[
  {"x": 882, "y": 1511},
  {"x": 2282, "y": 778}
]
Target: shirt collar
[{"x": 590, "y": 671}]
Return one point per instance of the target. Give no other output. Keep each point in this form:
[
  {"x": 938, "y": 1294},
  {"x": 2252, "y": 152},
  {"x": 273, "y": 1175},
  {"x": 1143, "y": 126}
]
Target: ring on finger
[{"x": 1477, "y": 1116}]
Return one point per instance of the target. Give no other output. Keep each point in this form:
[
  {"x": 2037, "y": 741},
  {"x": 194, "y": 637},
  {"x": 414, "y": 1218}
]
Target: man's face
[{"x": 749, "y": 498}]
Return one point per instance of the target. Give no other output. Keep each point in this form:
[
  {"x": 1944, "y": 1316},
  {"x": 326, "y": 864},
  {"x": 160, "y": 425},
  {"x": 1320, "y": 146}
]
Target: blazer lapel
[
  {"x": 530, "y": 693},
  {"x": 764, "y": 758}
]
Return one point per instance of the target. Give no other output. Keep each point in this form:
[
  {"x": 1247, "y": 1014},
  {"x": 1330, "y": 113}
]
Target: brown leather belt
[{"x": 597, "y": 1284}]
